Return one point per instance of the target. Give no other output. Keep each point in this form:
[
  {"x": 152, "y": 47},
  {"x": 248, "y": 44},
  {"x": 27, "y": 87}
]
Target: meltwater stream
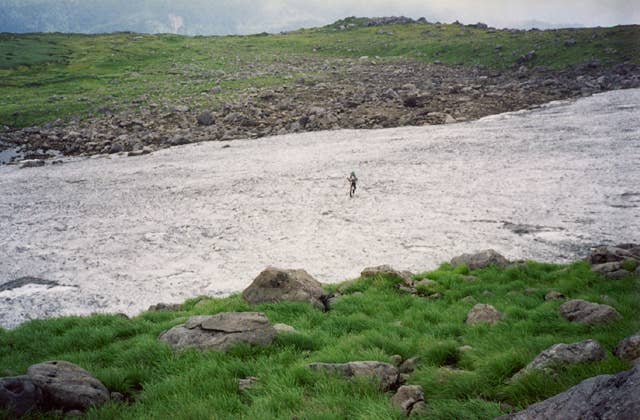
[{"x": 117, "y": 234}]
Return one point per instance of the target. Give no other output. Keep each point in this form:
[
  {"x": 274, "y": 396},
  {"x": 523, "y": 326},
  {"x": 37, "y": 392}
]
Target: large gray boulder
[
  {"x": 604, "y": 397},
  {"x": 481, "y": 259},
  {"x": 19, "y": 395},
  {"x": 67, "y": 386},
  {"x": 386, "y": 270},
  {"x": 566, "y": 354},
  {"x": 629, "y": 348},
  {"x": 387, "y": 375},
  {"x": 589, "y": 313},
  {"x": 407, "y": 397},
  {"x": 221, "y": 332},
  {"x": 276, "y": 285},
  {"x": 483, "y": 314}
]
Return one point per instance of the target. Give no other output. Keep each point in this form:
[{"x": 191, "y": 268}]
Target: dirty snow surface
[{"x": 117, "y": 234}]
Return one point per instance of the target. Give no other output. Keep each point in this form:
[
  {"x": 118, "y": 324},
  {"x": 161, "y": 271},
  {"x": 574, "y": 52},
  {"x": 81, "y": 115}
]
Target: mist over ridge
[{"x": 225, "y": 17}]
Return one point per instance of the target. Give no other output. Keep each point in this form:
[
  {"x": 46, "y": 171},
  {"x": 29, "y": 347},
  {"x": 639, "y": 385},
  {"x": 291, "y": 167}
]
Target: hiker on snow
[{"x": 352, "y": 179}]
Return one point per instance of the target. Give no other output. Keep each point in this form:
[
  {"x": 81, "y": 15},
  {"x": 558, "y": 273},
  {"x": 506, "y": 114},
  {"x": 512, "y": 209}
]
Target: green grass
[
  {"x": 371, "y": 321},
  {"x": 44, "y": 77}
]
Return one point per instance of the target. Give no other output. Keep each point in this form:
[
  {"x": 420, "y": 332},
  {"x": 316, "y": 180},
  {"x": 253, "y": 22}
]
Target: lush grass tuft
[{"x": 371, "y": 320}]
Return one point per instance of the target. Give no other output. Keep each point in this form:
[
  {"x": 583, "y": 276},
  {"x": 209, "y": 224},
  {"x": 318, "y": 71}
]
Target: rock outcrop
[
  {"x": 67, "y": 386},
  {"x": 481, "y": 259},
  {"x": 19, "y": 395},
  {"x": 386, "y": 374},
  {"x": 483, "y": 314},
  {"x": 589, "y": 313},
  {"x": 221, "y": 332},
  {"x": 276, "y": 285},
  {"x": 605, "y": 397}
]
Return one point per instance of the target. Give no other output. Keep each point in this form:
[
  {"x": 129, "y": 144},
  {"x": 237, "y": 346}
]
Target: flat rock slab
[
  {"x": 604, "y": 397},
  {"x": 221, "y": 332},
  {"x": 567, "y": 354},
  {"x": 277, "y": 285},
  {"x": 67, "y": 386},
  {"x": 386, "y": 374},
  {"x": 482, "y": 259},
  {"x": 589, "y": 313}
]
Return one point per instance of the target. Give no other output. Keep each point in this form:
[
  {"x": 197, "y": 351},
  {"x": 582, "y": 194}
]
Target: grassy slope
[
  {"x": 371, "y": 325},
  {"x": 125, "y": 71}
]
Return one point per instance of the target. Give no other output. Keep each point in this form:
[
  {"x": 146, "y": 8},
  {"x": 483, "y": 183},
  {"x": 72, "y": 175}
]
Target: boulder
[
  {"x": 275, "y": 285},
  {"x": 605, "y": 254},
  {"x": 605, "y": 397},
  {"x": 386, "y": 374},
  {"x": 19, "y": 395},
  {"x": 554, "y": 295},
  {"x": 483, "y": 313},
  {"x": 589, "y": 313},
  {"x": 205, "y": 118},
  {"x": 406, "y": 397},
  {"x": 221, "y": 332},
  {"x": 480, "y": 259},
  {"x": 67, "y": 386},
  {"x": 629, "y": 348},
  {"x": 567, "y": 354},
  {"x": 385, "y": 270},
  {"x": 116, "y": 148}
]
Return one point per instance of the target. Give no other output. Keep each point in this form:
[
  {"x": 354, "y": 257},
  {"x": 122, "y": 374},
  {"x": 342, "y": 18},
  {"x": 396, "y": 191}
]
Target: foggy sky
[
  {"x": 222, "y": 17},
  {"x": 498, "y": 13}
]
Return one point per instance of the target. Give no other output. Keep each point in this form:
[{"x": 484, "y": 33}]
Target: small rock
[
  {"x": 386, "y": 270},
  {"x": 116, "y": 148},
  {"x": 165, "y": 307},
  {"x": 117, "y": 396},
  {"x": 464, "y": 349},
  {"x": 406, "y": 398},
  {"x": 427, "y": 283},
  {"x": 385, "y": 373},
  {"x": 181, "y": 108},
  {"x": 482, "y": 313},
  {"x": 247, "y": 383},
  {"x": 480, "y": 260},
  {"x": 67, "y": 386},
  {"x": 205, "y": 118},
  {"x": 617, "y": 275},
  {"x": 284, "y": 328},
  {"x": 629, "y": 348},
  {"x": 554, "y": 295},
  {"x": 589, "y": 313},
  {"x": 409, "y": 365},
  {"x": 396, "y": 360},
  {"x": 470, "y": 279},
  {"x": 469, "y": 299}
]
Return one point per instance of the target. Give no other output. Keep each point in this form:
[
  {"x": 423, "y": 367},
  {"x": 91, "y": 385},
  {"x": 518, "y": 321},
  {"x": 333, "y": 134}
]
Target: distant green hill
[{"x": 48, "y": 76}]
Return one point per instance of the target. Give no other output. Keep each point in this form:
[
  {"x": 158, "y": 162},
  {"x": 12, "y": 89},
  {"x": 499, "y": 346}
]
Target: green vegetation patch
[{"x": 465, "y": 370}]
